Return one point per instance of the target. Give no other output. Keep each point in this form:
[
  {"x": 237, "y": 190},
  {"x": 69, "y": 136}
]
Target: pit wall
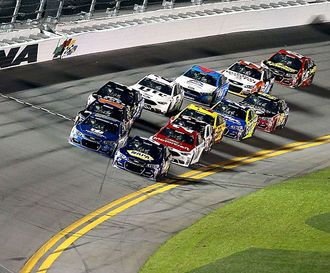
[{"x": 98, "y": 36}]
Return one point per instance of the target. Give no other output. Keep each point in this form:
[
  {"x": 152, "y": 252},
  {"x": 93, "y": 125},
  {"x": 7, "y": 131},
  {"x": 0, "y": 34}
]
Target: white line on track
[{"x": 36, "y": 107}]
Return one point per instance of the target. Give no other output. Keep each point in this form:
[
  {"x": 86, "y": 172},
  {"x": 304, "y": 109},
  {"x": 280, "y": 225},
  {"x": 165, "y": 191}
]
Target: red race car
[
  {"x": 291, "y": 68},
  {"x": 273, "y": 112},
  {"x": 186, "y": 146}
]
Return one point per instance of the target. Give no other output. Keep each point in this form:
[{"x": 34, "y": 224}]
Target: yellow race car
[{"x": 206, "y": 115}]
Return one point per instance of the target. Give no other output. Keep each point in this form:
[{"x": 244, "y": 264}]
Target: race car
[
  {"x": 186, "y": 146},
  {"x": 241, "y": 120},
  {"x": 144, "y": 157},
  {"x": 273, "y": 112},
  {"x": 207, "y": 115},
  {"x": 291, "y": 69},
  {"x": 246, "y": 77},
  {"x": 160, "y": 95},
  {"x": 119, "y": 93},
  {"x": 202, "y": 127},
  {"x": 108, "y": 108},
  {"x": 100, "y": 133},
  {"x": 203, "y": 85}
]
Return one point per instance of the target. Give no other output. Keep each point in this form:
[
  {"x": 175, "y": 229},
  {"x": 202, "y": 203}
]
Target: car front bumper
[
  {"x": 136, "y": 168},
  {"x": 96, "y": 146}
]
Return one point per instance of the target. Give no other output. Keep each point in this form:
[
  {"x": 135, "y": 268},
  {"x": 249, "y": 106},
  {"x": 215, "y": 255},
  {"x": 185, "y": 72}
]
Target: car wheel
[{"x": 242, "y": 135}]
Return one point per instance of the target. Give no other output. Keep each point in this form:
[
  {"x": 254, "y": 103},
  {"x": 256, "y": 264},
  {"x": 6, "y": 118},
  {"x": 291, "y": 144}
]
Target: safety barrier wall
[{"x": 92, "y": 40}]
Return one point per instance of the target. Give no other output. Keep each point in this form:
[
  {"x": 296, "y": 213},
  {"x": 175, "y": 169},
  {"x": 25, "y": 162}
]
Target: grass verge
[{"x": 284, "y": 228}]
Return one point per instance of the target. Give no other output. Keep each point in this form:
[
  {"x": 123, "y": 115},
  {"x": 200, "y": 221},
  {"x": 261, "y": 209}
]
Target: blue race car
[
  {"x": 240, "y": 120},
  {"x": 144, "y": 157},
  {"x": 203, "y": 85},
  {"x": 100, "y": 133}
]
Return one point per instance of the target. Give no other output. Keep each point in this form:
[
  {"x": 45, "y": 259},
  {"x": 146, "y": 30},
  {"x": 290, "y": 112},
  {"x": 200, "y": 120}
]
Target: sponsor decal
[
  {"x": 282, "y": 66},
  {"x": 67, "y": 48},
  {"x": 269, "y": 96},
  {"x": 140, "y": 155},
  {"x": 195, "y": 82},
  {"x": 17, "y": 55},
  {"x": 97, "y": 131},
  {"x": 171, "y": 142}
]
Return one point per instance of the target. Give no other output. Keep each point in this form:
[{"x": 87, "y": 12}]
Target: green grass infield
[{"x": 283, "y": 228}]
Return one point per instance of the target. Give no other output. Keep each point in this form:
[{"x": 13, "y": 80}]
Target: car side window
[
  {"x": 264, "y": 77},
  {"x": 306, "y": 65},
  {"x": 198, "y": 140},
  {"x": 176, "y": 90},
  {"x": 219, "y": 121},
  {"x": 223, "y": 80},
  {"x": 249, "y": 115}
]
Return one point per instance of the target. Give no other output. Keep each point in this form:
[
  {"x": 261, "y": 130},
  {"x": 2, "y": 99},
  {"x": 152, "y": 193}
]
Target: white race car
[
  {"x": 160, "y": 95},
  {"x": 203, "y": 85},
  {"x": 246, "y": 77}
]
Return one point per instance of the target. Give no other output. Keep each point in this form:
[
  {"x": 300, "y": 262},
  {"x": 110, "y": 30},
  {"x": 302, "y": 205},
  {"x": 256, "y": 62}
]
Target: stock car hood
[
  {"x": 172, "y": 143},
  {"x": 245, "y": 80},
  {"x": 260, "y": 111},
  {"x": 233, "y": 121},
  {"x": 149, "y": 93},
  {"x": 195, "y": 85},
  {"x": 281, "y": 67},
  {"x": 139, "y": 157},
  {"x": 94, "y": 134}
]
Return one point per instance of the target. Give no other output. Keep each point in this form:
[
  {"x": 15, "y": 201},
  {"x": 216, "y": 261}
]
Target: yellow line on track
[
  {"x": 147, "y": 193},
  {"x": 29, "y": 265}
]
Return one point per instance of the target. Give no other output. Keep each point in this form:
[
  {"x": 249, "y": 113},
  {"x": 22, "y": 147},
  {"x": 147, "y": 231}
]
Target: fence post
[
  {"x": 91, "y": 9},
  {"x": 59, "y": 10},
  {"x": 41, "y": 9},
  {"x": 17, "y": 7}
]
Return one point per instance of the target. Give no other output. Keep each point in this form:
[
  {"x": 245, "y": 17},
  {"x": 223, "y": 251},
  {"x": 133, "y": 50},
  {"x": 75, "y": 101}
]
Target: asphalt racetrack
[{"x": 47, "y": 184}]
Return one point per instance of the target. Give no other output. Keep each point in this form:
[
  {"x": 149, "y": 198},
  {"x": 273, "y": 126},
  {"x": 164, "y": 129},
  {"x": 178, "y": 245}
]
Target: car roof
[
  {"x": 233, "y": 103},
  {"x": 291, "y": 53},
  {"x": 203, "y": 110},
  {"x": 112, "y": 103},
  {"x": 160, "y": 79},
  {"x": 105, "y": 118},
  {"x": 208, "y": 71},
  {"x": 267, "y": 96},
  {"x": 181, "y": 129},
  {"x": 251, "y": 65}
]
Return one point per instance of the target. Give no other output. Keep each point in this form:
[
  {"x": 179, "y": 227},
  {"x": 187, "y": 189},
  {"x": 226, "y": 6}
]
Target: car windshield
[
  {"x": 161, "y": 87},
  {"x": 200, "y": 76},
  {"x": 102, "y": 126},
  {"x": 246, "y": 70},
  {"x": 123, "y": 95},
  {"x": 288, "y": 61},
  {"x": 177, "y": 135},
  {"x": 230, "y": 110},
  {"x": 198, "y": 116},
  {"x": 107, "y": 110},
  {"x": 146, "y": 147},
  {"x": 262, "y": 102},
  {"x": 190, "y": 124}
]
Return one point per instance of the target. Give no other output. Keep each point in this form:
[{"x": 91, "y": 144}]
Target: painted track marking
[
  {"x": 148, "y": 193},
  {"x": 36, "y": 107}
]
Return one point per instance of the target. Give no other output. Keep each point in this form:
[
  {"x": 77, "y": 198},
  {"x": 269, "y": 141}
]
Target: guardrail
[{"x": 94, "y": 36}]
